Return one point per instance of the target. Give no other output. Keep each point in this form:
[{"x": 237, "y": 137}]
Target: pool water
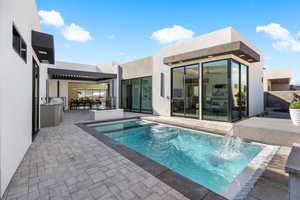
[
  {"x": 193, "y": 154},
  {"x": 110, "y": 126}
]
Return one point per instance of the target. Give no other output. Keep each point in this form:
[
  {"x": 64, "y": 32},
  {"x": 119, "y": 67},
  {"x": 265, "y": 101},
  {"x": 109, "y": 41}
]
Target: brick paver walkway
[{"x": 66, "y": 163}]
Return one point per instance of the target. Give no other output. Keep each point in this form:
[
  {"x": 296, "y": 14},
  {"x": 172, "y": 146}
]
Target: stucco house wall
[
  {"x": 16, "y": 97},
  {"x": 277, "y": 79},
  {"x": 138, "y": 68}
]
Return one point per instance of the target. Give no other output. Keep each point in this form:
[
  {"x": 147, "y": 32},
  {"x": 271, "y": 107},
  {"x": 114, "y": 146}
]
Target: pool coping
[
  {"x": 185, "y": 186},
  {"x": 240, "y": 187}
]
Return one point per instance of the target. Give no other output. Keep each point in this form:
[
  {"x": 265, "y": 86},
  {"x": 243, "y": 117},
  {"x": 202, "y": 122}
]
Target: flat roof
[
  {"x": 237, "y": 48},
  {"x": 79, "y": 75}
]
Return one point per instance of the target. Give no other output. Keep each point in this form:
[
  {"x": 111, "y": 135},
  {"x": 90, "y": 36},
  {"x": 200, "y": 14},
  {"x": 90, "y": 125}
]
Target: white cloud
[
  {"x": 284, "y": 40},
  {"x": 51, "y": 18},
  {"x": 172, "y": 34},
  {"x": 76, "y": 33},
  {"x": 122, "y": 54},
  {"x": 112, "y": 37}
]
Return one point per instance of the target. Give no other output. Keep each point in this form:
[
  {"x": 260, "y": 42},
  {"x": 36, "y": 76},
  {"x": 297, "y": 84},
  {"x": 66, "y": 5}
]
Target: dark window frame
[
  {"x": 229, "y": 88},
  {"x": 148, "y": 111},
  {"x": 21, "y": 49},
  {"x": 229, "y": 106},
  {"x": 171, "y": 74}
]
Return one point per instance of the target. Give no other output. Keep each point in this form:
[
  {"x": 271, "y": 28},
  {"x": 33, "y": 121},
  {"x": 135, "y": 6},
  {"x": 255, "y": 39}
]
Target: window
[
  {"x": 215, "y": 90},
  {"x": 19, "y": 44},
  {"x": 224, "y": 90},
  {"x": 162, "y": 85},
  {"x": 137, "y": 94},
  {"x": 185, "y": 91}
]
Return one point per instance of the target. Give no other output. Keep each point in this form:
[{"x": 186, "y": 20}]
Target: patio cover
[{"x": 79, "y": 75}]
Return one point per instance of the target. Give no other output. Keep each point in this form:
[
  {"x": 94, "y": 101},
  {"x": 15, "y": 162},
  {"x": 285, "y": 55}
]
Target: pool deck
[
  {"x": 66, "y": 163},
  {"x": 277, "y": 131},
  {"x": 210, "y": 126}
]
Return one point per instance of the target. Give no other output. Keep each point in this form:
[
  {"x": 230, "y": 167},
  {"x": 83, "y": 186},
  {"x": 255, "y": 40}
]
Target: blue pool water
[
  {"x": 110, "y": 126},
  {"x": 193, "y": 154}
]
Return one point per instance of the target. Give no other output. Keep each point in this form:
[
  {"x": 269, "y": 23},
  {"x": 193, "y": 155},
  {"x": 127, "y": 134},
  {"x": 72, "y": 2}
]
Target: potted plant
[{"x": 295, "y": 112}]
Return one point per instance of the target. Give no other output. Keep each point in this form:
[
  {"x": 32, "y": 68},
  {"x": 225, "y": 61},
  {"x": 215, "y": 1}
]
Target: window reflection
[
  {"x": 215, "y": 90},
  {"x": 185, "y": 91},
  {"x": 217, "y": 98},
  {"x": 235, "y": 88},
  {"x": 137, "y": 94}
]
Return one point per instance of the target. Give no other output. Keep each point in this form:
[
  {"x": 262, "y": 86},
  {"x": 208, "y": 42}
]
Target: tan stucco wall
[
  {"x": 139, "y": 68},
  {"x": 279, "y": 86},
  {"x": 276, "y": 74}
]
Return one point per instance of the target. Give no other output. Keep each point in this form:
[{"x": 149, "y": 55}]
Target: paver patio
[{"x": 66, "y": 163}]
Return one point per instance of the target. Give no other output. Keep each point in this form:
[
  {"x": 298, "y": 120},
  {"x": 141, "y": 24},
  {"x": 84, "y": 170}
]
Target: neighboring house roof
[
  {"x": 278, "y": 74},
  {"x": 75, "y": 66}
]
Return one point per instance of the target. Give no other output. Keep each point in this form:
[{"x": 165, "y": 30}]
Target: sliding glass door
[
  {"x": 146, "y": 93},
  {"x": 215, "y": 90},
  {"x": 235, "y": 90},
  {"x": 137, "y": 95},
  {"x": 224, "y": 90},
  {"x": 185, "y": 91},
  {"x": 244, "y": 90},
  {"x": 178, "y": 91}
]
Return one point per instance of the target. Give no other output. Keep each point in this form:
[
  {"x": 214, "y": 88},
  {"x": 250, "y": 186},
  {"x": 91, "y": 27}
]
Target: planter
[{"x": 295, "y": 116}]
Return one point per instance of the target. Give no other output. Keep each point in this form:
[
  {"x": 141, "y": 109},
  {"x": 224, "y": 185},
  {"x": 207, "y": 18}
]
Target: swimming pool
[
  {"x": 199, "y": 156},
  {"x": 117, "y": 125}
]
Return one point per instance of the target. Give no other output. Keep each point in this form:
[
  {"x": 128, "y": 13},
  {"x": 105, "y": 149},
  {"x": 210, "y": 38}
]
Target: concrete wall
[
  {"x": 16, "y": 97},
  {"x": 279, "y": 86},
  {"x": 137, "y": 68},
  {"x": 271, "y": 76},
  {"x": 279, "y": 99}
]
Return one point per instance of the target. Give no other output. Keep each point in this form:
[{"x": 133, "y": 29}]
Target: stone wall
[{"x": 279, "y": 99}]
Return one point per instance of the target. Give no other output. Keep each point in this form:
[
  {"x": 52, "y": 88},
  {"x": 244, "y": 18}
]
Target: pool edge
[{"x": 246, "y": 180}]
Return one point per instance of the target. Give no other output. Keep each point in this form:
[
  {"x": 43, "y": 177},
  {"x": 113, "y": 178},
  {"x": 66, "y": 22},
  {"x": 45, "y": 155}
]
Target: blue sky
[{"x": 94, "y": 31}]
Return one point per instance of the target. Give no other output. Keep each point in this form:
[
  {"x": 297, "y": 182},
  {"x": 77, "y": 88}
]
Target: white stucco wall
[
  {"x": 16, "y": 97},
  {"x": 161, "y": 105},
  {"x": 112, "y": 67}
]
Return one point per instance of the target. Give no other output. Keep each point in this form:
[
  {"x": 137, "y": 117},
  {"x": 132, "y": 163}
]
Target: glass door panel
[
  {"x": 192, "y": 91},
  {"x": 215, "y": 90},
  {"x": 136, "y": 95},
  {"x": 235, "y": 87},
  {"x": 178, "y": 91},
  {"x": 244, "y": 91},
  {"x": 126, "y": 95},
  {"x": 146, "y": 94}
]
